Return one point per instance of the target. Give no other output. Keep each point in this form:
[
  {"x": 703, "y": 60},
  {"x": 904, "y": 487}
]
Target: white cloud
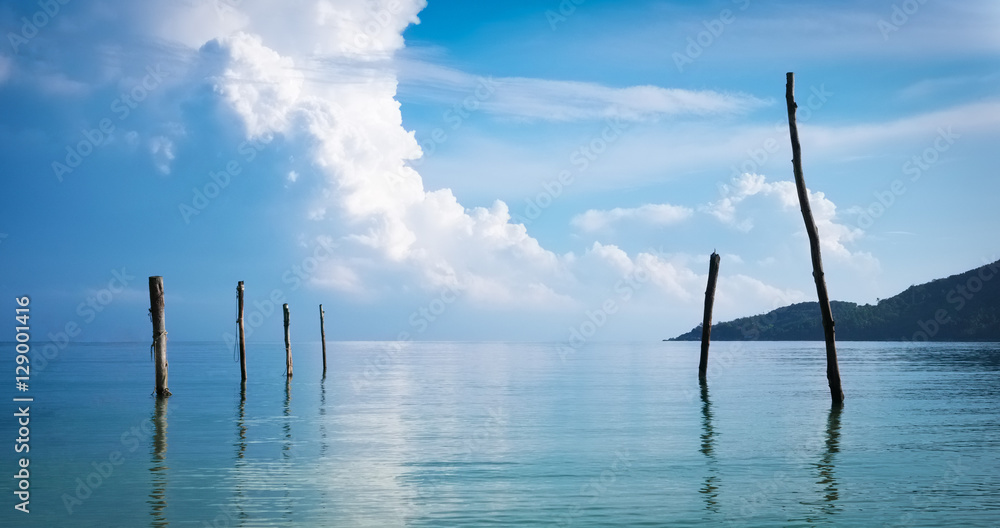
[
  {"x": 339, "y": 276},
  {"x": 936, "y": 29},
  {"x": 739, "y": 295},
  {"x": 741, "y": 188},
  {"x": 364, "y": 30},
  {"x": 338, "y": 100},
  {"x": 834, "y": 236},
  {"x": 551, "y": 100},
  {"x": 259, "y": 84},
  {"x": 733, "y": 258},
  {"x": 653, "y": 214},
  {"x": 966, "y": 119},
  {"x": 360, "y": 147},
  {"x": 942, "y": 85},
  {"x": 573, "y": 101},
  {"x": 162, "y": 149},
  {"x": 59, "y": 84}
]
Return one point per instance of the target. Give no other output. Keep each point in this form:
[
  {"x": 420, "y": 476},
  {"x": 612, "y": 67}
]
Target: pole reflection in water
[
  {"x": 287, "y": 427},
  {"x": 286, "y": 452},
  {"x": 711, "y": 487},
  {"x": 323, "y": 446},
  {"x": 241, "y": 422},
  {"x": 241, "y": 448},
  {"x": 827, "y": 478},
  {"x": 158, "y": 467}
]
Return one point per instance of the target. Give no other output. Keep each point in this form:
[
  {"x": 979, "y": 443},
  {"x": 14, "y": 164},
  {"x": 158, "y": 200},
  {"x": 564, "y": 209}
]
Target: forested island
[{"x": 964, "y": 307}]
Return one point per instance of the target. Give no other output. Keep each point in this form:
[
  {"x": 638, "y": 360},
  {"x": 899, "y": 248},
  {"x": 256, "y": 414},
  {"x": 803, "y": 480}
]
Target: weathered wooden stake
[
  {"x": 322, "y": 336},
  {"x": 832, "y": 369},
  {"x": 156, "y": 314},
  {"x": 239, "y": 322},
  {"x": 706, "y": 325},
  {"x": 288, "y": 345}
]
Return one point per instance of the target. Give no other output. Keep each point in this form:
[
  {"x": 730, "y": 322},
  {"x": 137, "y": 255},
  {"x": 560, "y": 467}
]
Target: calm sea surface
[{"x": 512, "y": 434}]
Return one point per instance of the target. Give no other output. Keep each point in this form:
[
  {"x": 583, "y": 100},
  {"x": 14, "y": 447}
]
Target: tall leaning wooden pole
[
  {"x": 832, "y": 369},
  {"x": 239, "y": 323},
  {"x": 706, "y": 325},
  {"x": 322, "y": 336},
  {"x": 156, "y": 314},
  {"x": 288, "y": 344}
]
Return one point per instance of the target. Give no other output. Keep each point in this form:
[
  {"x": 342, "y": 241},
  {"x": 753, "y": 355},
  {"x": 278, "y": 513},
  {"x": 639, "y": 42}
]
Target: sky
[{"x": 454, "y": 170}]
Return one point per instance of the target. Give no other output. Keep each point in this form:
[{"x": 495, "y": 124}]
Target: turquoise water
[{"x": 504, "y": 434}]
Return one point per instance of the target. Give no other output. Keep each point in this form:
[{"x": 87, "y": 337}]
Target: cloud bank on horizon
[{"x": 310, "y": 93}]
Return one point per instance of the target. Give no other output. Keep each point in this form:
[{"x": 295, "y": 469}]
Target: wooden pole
[
  {"x": 288, "y": 345},
  {"x": 322, "y": 336},
  {"x": 239, "y": 322},
  {"x": 832, "y": 369},
  {"x": 156, "y": 314},
  {"x": 706, "y": 325}
]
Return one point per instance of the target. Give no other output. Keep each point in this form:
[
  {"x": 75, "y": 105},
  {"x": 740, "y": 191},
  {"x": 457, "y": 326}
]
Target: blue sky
[{"x": 517, "y": 170}]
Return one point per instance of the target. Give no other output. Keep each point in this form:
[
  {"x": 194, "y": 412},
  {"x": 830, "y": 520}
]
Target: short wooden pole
[
  {"x": 832, "y": 369},
  {"x": 322, "y": 336},
  {"x": 288, "y": 345},
  {"x": 156, "y": 314},
  {"x": 706, "y": 324},
  {"x": 239, "y": 322}
]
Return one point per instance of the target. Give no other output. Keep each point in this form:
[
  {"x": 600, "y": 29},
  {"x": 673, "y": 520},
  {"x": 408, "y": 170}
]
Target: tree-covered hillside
[{"x": 963, "y": 307}]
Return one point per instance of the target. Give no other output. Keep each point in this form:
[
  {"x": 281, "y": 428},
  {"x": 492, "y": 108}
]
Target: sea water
[{"x": 511, "y": 434}]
